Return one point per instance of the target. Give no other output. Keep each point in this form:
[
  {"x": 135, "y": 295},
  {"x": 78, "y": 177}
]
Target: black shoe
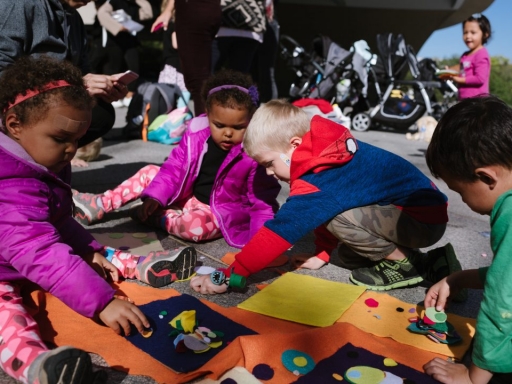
[
  {"x": 388, "y": 274},
  {"x": 65, "y": 365}
]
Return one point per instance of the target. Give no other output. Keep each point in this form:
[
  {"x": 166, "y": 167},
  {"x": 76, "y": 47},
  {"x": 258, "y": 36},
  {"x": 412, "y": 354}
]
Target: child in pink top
[{"x": 475, "y": 64}]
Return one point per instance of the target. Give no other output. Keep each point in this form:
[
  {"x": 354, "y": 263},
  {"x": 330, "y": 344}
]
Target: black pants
[
  {"x": 236, "y": 53},
  {"x": 263, "y": 68},
  {"x": 197, "y": 23},
  {"x": 103, "y": 119}
]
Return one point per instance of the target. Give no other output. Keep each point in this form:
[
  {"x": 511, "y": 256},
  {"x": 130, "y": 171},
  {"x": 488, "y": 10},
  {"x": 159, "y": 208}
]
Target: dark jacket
[{"x": 37, "y": 27}]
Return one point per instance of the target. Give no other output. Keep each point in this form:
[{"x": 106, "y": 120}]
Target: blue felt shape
[
  {"x": 160, "y": 346},
  {"x": 349, "y": 356}
]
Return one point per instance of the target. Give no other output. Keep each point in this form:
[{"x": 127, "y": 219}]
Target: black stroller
[
  {"x": 402, "y": 102},
  {"x": 319, "y": 72}
]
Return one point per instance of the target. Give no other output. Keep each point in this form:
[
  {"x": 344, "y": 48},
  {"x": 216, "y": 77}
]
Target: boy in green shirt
[{"x": 471, "y": 150}]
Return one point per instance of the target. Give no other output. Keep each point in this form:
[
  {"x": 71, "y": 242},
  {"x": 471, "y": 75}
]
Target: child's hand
[
  {"x": 438, "y": 294},
  {"x": 119, "y": 314},
  {"x": 101, "y": 265},
  {"x": 147, "y": 209},
  {"x": 204, "y": 285},
  {"x": 447, "y": 372},
  {"x": 308, "y": 261}
]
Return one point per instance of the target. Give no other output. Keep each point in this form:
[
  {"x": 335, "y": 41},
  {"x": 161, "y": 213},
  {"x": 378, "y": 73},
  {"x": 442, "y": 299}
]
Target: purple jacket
[
  {"x": 39, "y": 239},
  {"x": 243, "y": 195}
]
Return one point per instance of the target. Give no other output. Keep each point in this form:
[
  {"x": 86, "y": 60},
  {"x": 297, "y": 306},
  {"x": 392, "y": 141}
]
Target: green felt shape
[
  {"x": 219, "y": 333},
  {"x": 294, "y": 360},
  {"x": 436, "y": 316}
]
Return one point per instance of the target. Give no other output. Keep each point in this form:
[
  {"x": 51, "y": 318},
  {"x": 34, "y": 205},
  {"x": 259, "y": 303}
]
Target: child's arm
[
  {"x": 450, "y": 373},
  {"x": 439, "y": 294},
  {"x": 262, "y": 191},
  {"x": 120, "y": 314},
  {"x": 481, "y": 72},
  {"x": 166, "y": 184}
]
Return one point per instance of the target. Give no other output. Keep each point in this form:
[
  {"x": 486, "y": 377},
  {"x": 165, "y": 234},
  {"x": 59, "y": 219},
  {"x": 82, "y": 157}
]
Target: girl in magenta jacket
[
  {"x": 45, "y": 109},
  {"x": 208, "y": 187}
]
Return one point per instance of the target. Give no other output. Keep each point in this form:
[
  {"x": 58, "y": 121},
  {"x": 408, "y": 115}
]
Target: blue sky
[{"x": 448, "y": 42}]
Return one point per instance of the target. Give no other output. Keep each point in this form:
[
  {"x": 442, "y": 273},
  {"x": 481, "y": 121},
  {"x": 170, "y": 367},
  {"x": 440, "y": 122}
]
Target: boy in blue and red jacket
[{"x": 378, "y": 206}]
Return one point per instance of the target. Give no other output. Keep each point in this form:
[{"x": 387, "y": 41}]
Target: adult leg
[
  {"x": 197, "y": 22},
  {"x": 239, "y": 52},
  {"x": 264, "y": 63}
]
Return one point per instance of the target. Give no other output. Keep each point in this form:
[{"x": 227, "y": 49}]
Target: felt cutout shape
[
  {"x": 360, "y": 366},
  {"x": 321, "y": 302},
  {"x": 170, "y": 352}
]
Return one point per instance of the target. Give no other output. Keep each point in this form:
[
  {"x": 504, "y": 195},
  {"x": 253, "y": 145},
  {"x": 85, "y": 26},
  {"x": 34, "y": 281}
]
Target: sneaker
[
  {"x": 388, "y": 274},
  {"x": 164, "y": 267},
  {"x": 64, "y": 365},
  {"x": 440, "y": 263},
  {"x": 88, "y": 208}
]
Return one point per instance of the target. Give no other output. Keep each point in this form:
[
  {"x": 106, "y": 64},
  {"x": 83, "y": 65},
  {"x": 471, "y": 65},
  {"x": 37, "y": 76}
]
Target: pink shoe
[{"x": 164, "y": 267}]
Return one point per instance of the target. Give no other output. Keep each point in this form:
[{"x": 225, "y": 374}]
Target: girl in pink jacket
[
  {"x": 45, "y": 109},
  {"x": 475, "y": 64},
  {"x": 208, "y": 187}
]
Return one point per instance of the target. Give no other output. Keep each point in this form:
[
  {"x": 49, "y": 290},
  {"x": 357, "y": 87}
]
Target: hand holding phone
[
  {"x": 157, "y": 27},
  {"x": 127, "y": 77}
]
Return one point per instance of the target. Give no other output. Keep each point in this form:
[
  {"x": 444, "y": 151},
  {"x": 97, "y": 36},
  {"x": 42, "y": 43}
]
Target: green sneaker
[
  {"x": 440, "y": 263},
  {"x": 388, "y": 274}
]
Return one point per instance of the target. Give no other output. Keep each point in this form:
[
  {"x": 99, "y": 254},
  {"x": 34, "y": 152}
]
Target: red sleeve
[
  {"x": 260, "y": 251},
  {"x": 325, "y": 243}
]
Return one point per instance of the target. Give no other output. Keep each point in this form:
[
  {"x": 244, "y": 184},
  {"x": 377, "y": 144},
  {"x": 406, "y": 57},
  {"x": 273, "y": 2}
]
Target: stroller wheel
[{"x": 361, "y": 122}]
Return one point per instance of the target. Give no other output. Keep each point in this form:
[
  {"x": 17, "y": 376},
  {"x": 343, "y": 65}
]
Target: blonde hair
[{"x": 273, "y": 125}]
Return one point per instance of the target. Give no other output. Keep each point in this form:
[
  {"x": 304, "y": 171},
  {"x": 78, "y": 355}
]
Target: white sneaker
[{"x": 118, "y": 104}]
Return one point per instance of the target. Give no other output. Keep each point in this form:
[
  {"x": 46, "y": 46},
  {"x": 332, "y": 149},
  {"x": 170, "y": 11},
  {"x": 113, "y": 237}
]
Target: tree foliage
[{"x": 500, "y": 83}]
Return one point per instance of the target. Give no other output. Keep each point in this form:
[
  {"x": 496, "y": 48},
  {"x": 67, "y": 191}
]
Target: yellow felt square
[{"x": 303, "y": 299}]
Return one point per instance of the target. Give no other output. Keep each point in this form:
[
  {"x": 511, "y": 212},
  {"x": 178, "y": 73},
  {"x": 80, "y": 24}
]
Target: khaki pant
[{"x": 375, "y": 231}]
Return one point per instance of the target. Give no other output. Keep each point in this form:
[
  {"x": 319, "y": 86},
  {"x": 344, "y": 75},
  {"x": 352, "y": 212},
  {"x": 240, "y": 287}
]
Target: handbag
[{"x": 244, "y": 14}]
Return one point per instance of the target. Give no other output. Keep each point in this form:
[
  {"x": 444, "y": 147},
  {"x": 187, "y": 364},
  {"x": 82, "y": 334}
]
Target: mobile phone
[
  {"x": 157, "y": 27},
  {"x": 127, "y": 77}
]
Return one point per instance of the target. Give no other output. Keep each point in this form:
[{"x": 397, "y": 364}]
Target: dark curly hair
[
  {"x": 483, "y": 23},
  {"x": 231, "y": 97},
  {"x": 28, "y": 73},
  {"x": 476, "y": 132}
]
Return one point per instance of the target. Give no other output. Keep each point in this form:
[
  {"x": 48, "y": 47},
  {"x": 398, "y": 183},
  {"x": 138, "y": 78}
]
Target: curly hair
[
  {"x": 28, "y": 73},
  {"x": 232, "y": 97}
]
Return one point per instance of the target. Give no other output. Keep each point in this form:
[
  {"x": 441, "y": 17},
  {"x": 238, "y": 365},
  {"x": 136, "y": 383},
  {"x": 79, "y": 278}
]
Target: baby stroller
[
  {"x": 402, "y": 102},
  {"x": 319, "y": 72}
]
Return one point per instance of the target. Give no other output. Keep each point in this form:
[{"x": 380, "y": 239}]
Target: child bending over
[
  {"x": 208, "y": 187},
  {"x": 471, "y": 150},
  {"x": 45, "y": 109},
  {"x": 376, "y": 204}
]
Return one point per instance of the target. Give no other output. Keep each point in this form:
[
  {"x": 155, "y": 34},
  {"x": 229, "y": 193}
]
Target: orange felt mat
[{"x": 62, "y": 326}]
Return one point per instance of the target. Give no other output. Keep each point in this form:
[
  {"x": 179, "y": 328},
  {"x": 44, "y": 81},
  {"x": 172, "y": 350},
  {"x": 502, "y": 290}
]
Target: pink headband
[
  {"x": 252, "y": 91},
  {"x": 33, "y": 92}
]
